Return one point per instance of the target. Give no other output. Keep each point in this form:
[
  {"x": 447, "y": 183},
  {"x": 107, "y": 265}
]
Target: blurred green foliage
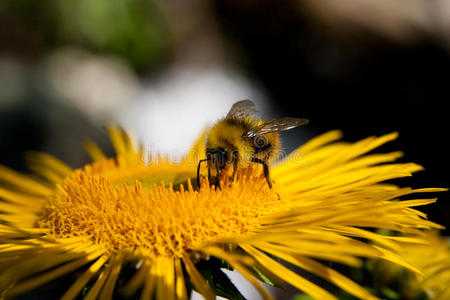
[{"x": 135, "y": 30}]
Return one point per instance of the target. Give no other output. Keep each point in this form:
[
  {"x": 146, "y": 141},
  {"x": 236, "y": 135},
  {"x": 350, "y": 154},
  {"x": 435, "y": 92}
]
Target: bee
[{"x": 241, "y": 139}]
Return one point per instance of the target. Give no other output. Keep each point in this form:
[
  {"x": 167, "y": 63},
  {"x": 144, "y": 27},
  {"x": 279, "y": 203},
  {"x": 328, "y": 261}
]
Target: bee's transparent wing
[
  {"x": 275, "y": 125},
  {"x": 242, "y": 109}
]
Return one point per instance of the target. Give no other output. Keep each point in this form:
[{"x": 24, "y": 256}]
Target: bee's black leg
[
  {"x": 209, "y": 174},
  {"x": 198, "y": 171},
  {"x": 218, "y": 177},
  {"x": 235, "y": 165},
  {"x": 266, "y": 169}
]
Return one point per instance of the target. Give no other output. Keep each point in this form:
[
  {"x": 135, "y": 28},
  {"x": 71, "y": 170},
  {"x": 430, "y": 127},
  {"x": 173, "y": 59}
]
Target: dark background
[
  {"x": 361, "y": 82},
  {"x": 339, "y": 73}
]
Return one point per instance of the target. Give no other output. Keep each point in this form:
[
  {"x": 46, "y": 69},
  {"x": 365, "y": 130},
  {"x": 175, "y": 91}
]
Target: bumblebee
[{"x": 241, "y": 139}]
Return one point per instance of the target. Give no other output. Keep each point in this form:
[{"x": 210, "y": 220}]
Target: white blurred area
[
  {"x": 175, "y": 109},
  {"x": 247, "y": 290},
  {"x": 195, "y": 90},
  {"x": 166, "y": 113},
  {"x": 97, "y": 86}
]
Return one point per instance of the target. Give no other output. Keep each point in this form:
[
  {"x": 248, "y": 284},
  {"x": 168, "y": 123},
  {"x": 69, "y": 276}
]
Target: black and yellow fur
[{"x": 226, "y": 146}]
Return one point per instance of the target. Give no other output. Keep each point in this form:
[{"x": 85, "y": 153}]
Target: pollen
[{"x": 159, "y": 221}]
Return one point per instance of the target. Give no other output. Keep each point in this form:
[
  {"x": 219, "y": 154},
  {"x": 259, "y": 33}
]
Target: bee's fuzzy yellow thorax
[{"x": 227, "y": 134}]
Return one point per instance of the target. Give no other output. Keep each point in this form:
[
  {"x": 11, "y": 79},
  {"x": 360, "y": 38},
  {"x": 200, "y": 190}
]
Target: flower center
[{"x": 158, "y": 220}]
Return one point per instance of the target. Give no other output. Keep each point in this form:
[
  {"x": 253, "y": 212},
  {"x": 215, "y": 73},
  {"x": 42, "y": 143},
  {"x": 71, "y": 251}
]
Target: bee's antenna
[{"x": 198, "y": 171}]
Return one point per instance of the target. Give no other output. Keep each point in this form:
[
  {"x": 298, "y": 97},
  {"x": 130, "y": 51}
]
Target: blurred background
[{"x": 166, "y": 69}]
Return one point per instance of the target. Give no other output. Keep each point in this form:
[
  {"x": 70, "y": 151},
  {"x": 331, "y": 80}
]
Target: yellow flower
[
  {"x": 116, "y": 214},
  {"x": 432, "y": 257}
]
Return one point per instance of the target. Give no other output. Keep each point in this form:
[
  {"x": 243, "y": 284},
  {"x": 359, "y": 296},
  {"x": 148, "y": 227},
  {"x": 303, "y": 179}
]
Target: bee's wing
[
  {"x": 275, "y": 125},
  {"x": 242, "y": 109}
]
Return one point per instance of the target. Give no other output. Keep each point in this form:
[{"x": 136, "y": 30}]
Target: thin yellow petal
[
  {"x": 23, "y": 182},
  {"x": 94, "y": 151},
  {"x": 180, "y": 285},
  {"x": 137, "y": 280},
  {"x": 324, "y": 272},
  {"x": 46, "y": 277},
  {"x": 81, "y": 282},
  {"x": 149, "y": 284},
  {"x": 197, "y": 280},
  {"x": 21, "y": 198},
  {"x": 50, "y": 162},
  {"x": 165, "y": 284},
  {"x": 344, "y": 256},
  {"x": 116, "y": 136},
  {"x": 24, "y": 219},
  {"x": 48, "y": 174},
  {"x": 18, "y": 208},
  {"x": 289, "y": 276},
  {"x": 357, "y": 232},
  {"x": 108, "y": 288},
  {"x": 396, "y": 259},
  {"x": 96, "y": 288}
]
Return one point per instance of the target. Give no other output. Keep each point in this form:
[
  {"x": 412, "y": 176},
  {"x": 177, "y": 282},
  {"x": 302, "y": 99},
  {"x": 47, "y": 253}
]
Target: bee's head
[{"x": 217, "y": 157}]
